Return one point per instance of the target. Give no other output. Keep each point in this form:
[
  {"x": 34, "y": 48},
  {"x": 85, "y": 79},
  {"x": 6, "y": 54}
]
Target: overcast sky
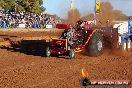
[{"x": 61, "y": 7}]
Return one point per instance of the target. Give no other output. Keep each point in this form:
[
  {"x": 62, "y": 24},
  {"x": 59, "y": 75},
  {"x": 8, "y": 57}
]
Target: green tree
[
  {"x": 31, "y": 5},
  {"x": 7, "y": 4},
  {"x": 23, "y": 5}
]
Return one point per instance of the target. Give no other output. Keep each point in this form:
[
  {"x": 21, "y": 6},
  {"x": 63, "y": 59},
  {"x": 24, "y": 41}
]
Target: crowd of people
[{"x": 10, "y": 19}]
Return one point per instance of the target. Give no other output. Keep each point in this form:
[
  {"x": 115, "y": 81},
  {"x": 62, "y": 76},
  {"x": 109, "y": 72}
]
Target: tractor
[
  {"x": 85, "y": 37},
  {"x": 76, "y": 39}
]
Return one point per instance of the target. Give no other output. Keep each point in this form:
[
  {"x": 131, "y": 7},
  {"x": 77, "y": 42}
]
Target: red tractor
[{"x": 76, "y": 39}]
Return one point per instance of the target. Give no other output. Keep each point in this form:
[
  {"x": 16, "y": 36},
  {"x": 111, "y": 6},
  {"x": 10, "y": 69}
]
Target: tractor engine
[{"x": 77, "y": 35}]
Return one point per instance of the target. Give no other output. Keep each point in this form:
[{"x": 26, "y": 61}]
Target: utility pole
[
  {"x": 129, "y": 25},
  {"x": 95, "y": 12},
  {"x": 72, "y": 11},
  {"x": 71, "y": 4}
]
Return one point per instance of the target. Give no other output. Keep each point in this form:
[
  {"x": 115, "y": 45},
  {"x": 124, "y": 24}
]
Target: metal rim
[
  {"x": 129, "y": 43},
  {"x": 72, "y": 54},
  {"x": 100, "y": 45},
  {"x": 47, "y": 52}
]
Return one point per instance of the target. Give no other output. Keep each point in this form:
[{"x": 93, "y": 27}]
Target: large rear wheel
[{"x": 95, "y": 45}]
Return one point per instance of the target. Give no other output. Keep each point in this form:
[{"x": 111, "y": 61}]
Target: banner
[{"x": 97, "y": 7}]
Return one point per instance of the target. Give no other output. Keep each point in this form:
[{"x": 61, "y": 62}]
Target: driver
[
  {"x": 69, "y": 35},
  {"x": 80, "y": 32}
]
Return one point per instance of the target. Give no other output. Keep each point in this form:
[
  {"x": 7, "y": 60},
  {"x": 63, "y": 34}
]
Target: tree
[
  {"x": 7, "y": 4},
  {"x": 34, "y": 6},
  {"x": 23, "y": 5}
]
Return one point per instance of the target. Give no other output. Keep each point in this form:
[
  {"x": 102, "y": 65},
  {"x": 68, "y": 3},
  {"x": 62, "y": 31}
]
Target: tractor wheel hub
[{"x": 100, "y": 45}]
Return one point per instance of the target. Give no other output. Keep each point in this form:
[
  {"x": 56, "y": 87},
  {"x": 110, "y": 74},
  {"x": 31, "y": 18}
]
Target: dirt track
[{"x": 21, "y": 70}]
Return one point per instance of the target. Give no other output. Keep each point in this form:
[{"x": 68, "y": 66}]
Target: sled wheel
[
  {"x": 72, "y": 54},
  {"x": 128, "y": 44},
  {"x": 95, "y": 45},
  {"x": 47, "y": 53}
]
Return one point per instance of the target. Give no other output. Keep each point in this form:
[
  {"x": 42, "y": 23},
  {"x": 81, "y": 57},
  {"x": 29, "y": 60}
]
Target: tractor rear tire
[{"x": 95, "y": 46}]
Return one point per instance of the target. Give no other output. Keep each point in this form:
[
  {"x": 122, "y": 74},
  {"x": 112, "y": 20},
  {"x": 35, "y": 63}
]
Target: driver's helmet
[{"x": 79, "y": 22}]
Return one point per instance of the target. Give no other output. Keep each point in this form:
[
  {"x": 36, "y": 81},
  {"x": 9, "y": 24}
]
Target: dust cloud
[
  {"x": 106, "y": 13},
  {"x": 73, "y": 16}
]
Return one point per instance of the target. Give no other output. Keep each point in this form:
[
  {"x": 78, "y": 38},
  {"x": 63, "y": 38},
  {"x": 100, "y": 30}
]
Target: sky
[{"x": 61, "y": 7}]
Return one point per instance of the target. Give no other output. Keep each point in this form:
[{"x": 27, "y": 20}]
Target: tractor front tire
[
  {"x": 47, "y": 51},
  {"x": 95, "y": 46},
  {"x": 71, "y": 54}
]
